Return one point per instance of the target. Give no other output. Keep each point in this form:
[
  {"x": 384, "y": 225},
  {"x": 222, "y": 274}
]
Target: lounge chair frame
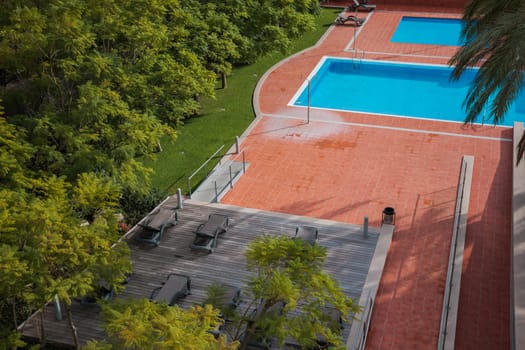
[
  {"x": 309, "y": 234},
  {"x": 360, "y": 4},
  {"x": 351, "y": 18},
  {"x": 207, "y": 234},
  {"x": 334, "y": 322},
  {"x": 152, "y": 227},
  {"x": 175, "y": 287},
  {"x": 225, "y": 298},
  {"x": 259, "y": 340},
  {"x": 103, "y": 292}
]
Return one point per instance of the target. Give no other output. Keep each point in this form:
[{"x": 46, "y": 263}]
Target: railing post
[
  {"x": 58, "y": 308},
  {"x": 231, "y": 180},
  {"x": 243, "y": 163},
  {"x": 237, "y": 146},
  {"x": 189, "y": 186},
  {"x": 308, "y": 107},
  {"x": 216, "y": 193},
  {"x": 179, "y": 198}
]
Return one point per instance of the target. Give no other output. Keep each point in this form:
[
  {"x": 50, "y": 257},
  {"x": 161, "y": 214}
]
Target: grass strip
[{"x": 221, "y": 119}]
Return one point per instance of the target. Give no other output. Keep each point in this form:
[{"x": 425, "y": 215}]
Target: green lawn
[{"x": 221, "y": 119}]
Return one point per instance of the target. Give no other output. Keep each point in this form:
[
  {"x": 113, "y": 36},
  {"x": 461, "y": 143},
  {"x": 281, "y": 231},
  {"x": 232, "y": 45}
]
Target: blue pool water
[
  {"x": 395, "y": 89},
  {"x": 433, "y": 31}
]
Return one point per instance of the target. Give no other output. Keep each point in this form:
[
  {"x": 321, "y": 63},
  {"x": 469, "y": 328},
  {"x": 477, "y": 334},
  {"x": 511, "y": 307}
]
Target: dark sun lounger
[
  {"x": 307, "y": 233},
  {"x": 176, "y": 287},
  {"x": 207, "y": 234},
  {"x": 154, "y": 225},
  {"x": 343, "y": 19},
  {"x": 360, "y": 4}
]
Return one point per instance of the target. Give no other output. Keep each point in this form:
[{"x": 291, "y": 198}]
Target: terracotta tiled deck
[{"x": 343, "y": 166}]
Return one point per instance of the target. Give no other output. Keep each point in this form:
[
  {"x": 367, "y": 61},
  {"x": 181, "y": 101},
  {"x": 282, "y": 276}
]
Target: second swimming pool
[
  {"x": 430, "y": 31},
  {"x": 393, "y": 88}
]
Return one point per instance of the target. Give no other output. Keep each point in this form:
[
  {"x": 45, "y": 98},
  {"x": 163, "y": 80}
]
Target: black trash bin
[{"x": 389, "y": 216}]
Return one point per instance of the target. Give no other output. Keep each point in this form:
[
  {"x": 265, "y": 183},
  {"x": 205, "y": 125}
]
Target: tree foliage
[
  {"x": 289, "y": 274},
  {"x": 14, "y": 155},
  {"x": 494, "y": 39},
  {"x": 86, "y": 89},
  {"x": 83, "y": 98},
  {"x": 268, "y": 25},
  {"x": 286, "y": 298},
  {"x": 144, "y": 325},
  {"x": 48, "y": 252}
]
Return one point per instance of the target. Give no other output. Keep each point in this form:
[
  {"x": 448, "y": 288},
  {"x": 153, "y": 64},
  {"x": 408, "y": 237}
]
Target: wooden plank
[{"x": 348, "y": 260}]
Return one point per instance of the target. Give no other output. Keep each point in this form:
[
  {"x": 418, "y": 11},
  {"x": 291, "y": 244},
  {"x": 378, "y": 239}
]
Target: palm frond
[{"x": 495, "y": 39}]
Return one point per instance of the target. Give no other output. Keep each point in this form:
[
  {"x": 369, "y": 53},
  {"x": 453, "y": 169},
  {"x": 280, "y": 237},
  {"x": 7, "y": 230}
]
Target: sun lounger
[
  {"x": 307, "y": 233},
  {"x": 207, "y": 234},
  {"x": 176, "y": 287},
  {"x": 259, "y": 339},
  {"x": 343, "y": 19},
  {"x": 225, "y": 298},
  {"x": 154, "y": 225},
  {"x": 360, "y": 4},
  {"x": 334, "y": 321},
  {"x": 102, "y": 292}
]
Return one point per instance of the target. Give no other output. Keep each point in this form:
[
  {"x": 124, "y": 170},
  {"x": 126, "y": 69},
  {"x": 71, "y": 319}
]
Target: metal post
[
  {"x": 58, "y": 309},
  {"x": 237, "y": 146},
  {"x": 216, "y": 193},
  {"x": 243, "y": 163},
  {"x": 365, "y": 227},
  {"x": 308, "y": 108},
  {"x": 231, "y": 180},
  {"x": 189, "y": 186},
  {"x": 179, "y": 198},
  {"x": 355, "y": 38}
]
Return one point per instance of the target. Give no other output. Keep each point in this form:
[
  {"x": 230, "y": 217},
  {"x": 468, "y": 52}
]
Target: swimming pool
[
  {"x": 394, "y": 89},
  {"x": 432, "y": 31}
]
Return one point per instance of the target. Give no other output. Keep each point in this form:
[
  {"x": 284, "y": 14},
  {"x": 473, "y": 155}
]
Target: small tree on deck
[
  {"x": 141, "y": 324},
  {"x": 289, "y": 272}
]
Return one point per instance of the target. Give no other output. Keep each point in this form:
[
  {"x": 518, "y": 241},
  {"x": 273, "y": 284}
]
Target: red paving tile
[{"x": 344, "y": 166}]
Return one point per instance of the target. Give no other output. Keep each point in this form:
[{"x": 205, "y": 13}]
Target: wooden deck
[{"x": 349, "y": 256}]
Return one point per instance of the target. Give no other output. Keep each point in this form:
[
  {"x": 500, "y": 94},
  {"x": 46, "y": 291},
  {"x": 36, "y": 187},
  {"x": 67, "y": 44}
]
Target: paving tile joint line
[{"x": 394, "y": 128}]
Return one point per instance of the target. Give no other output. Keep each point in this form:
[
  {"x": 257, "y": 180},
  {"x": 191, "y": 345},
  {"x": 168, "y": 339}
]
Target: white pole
[
  {"x": 179, "y": 198},
  {"x": 308, "y": 109}
]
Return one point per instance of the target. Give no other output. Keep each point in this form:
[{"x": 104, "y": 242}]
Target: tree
[
  {"x": 286, "y": 298},
  {"x": 268, "y": 25},
  {"x": 141, "y": 324},
  {"x": 93, "y": 86},
  {"x": 89, "y": 88},
  {"x": 288, "y": 275},
  {"x": 494, "y": 37},
  {"x": 216, "y": 39},
  {"x": 47, "y": 252},
  {"x": 14, "y": 155}
]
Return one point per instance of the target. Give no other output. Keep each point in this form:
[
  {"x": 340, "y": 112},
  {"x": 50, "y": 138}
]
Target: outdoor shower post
[{"x": 308, "y": 107}]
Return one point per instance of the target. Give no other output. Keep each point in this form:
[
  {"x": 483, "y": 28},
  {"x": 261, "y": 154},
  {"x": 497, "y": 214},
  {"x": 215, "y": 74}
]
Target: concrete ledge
[
  {"x": 517, "y": 278},
  {"x": 447, "y": 332},
  {"x": 359, "y": 329}
]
